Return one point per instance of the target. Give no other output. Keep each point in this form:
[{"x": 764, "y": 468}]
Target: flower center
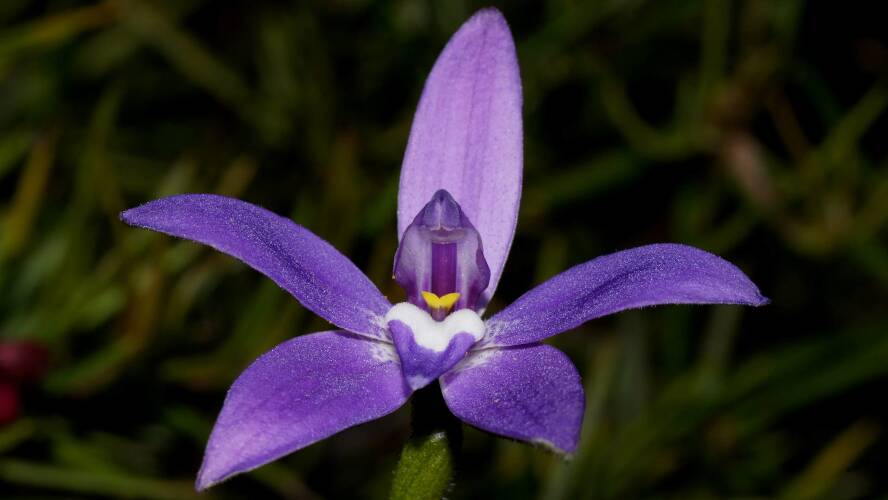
[
  {"x": 440, "y": 306},
  {"x": 441, "y": 266},
  {"x": 427, "y": 348},
  {"x": 440, "y": 261}
]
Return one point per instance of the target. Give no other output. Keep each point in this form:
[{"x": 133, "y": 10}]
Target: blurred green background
[{"x": 755, "y": 129}]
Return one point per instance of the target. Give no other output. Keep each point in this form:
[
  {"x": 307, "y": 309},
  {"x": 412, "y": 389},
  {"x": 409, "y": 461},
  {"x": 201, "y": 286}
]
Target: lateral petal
[
  {"x": 298, "y": 393},
  {"x": 321, "y": 278},
  {"x": 644, "y": 276}
]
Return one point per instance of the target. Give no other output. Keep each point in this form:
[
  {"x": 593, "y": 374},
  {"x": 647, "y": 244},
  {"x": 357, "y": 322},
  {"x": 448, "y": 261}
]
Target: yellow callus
[{"x": 445, "y": 302}]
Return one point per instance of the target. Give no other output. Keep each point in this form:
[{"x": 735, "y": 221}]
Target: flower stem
[{"x": 425, "y": 470}]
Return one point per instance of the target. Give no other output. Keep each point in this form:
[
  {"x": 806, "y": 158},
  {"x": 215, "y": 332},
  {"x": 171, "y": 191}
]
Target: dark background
[{"x": 754, "y": 129}]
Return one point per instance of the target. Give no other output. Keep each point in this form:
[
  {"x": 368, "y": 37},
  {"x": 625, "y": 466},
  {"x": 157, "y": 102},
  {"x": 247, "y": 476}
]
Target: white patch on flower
[
  {"x": 381, "y": 327},
  {"x": 436, "y": 335},
  {"x": 474, "y": 359},
  {"x": 418, "y": 381},
  {"x": 492, "y": 329},
  {"x": 383, "y": 352}
]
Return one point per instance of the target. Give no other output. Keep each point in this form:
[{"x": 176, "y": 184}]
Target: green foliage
[{"x": 753, "y": 129}]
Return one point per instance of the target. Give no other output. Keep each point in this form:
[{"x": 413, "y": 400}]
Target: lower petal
[
  {"x": 532, "y": 393},
  {"x": 300, "y": 392}
]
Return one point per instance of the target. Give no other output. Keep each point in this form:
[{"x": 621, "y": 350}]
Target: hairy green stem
[{"x": 426, "y": 468}]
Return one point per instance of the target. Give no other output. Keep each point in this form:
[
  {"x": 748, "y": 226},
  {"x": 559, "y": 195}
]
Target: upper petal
[
  {"x": 532, "y": 393},
  {"x": 300, "y": 262},
  {"x": 643, "y": 276},
  {"x": 300, "y": 392},
  {"x": 467, "y": 137}
]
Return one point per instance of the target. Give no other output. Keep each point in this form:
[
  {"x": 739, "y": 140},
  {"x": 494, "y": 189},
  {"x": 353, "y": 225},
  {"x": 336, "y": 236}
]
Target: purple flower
[{"x": 457, "y": 211}]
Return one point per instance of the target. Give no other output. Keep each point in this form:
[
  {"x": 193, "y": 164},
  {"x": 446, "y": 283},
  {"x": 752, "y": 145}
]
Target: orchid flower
[{"x": 457, "y": 211}]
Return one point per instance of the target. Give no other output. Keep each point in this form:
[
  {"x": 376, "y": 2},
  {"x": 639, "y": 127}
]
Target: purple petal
[
  {"x": 532, "y": 393},
  {"x": 301, "y": 263},
  {"x": 643, "y": 276},
  {"x": 467, "y": 139},
  {"x": 298, "y": 393}
]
